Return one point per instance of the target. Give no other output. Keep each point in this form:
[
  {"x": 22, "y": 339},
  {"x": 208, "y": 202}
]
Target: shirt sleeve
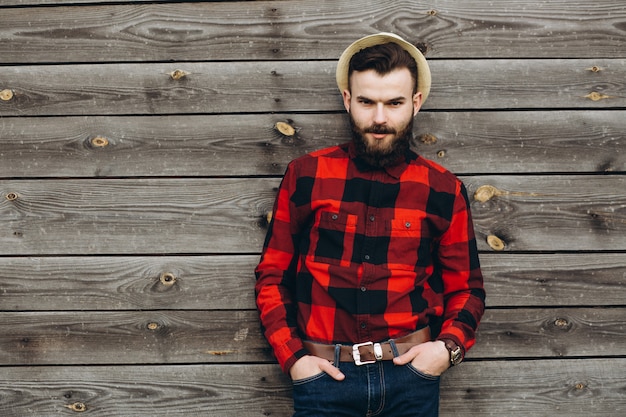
[
  {"x": 464, "y": 295},
  {"x": 275, "y": 276}
]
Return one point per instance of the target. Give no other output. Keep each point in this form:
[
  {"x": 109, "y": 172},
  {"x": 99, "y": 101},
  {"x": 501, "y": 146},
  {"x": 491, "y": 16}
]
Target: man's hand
[
  {"x": 308, "y": 366},
  {"x": 431, "y": 358}
]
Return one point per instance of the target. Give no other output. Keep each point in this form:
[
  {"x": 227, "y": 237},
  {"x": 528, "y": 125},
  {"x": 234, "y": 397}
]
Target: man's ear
[
  {"x": 346, "y": 100},
  {"x": 417, "y": 102}
]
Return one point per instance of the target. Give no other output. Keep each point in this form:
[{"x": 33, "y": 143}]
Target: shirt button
[
  {"x": 367, "y": 257},
  {"x": 363, "y": 289},
  {"x": 372, "y": 218},
  {"x": 363, "y": 325},
  {"x": 407, "y": 224},
  {"x": 335, "y": 217}
]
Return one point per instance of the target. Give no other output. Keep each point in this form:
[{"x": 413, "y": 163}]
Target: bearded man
[{"x": 369, "y": 285}]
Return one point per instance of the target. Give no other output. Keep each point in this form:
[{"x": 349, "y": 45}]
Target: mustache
[{"x": 380, "y": 129}]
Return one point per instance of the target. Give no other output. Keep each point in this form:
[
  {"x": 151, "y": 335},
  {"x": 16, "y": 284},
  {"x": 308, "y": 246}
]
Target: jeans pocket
[
  {"x": 421, "y": 374},
  {"x": 309, "y": 379}
]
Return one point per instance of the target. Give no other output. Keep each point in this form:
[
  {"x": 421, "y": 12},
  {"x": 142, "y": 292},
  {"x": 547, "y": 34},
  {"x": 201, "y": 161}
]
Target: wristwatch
[{"x": 456, "y": 353}]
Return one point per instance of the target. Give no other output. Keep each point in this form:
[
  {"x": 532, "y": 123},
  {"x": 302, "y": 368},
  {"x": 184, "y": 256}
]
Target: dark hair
[{"x": 383, "y": 59}]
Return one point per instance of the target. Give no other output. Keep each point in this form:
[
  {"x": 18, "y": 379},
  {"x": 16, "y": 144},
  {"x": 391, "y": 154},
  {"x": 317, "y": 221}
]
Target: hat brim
[{"x": 423, "y": 71}]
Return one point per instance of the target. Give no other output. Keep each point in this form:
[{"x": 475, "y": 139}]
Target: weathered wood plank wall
[{"x": 139, "y": 159}]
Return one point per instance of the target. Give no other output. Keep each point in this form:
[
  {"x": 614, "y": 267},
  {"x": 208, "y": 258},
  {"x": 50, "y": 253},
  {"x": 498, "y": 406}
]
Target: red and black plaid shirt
[{"x": 355, "y": 254}]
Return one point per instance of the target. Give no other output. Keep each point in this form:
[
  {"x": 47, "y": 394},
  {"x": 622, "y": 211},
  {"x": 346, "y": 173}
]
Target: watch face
[{"x": 455, "y": 356}]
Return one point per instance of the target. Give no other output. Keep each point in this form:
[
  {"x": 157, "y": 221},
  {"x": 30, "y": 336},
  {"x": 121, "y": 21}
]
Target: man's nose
[{"x": 380, "y": 117}]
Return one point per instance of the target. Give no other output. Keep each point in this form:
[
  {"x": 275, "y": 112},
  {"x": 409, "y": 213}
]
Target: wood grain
[
  {"x": 546, "y": 388},
  {"x": 200, "y": 336},
  {"x": 127, "y": 283},
  {"x": 127, "y": 337},
  {"x": 150, "y": 391},
  {"x": 306, "y": 30},
  {"x": 554, "y": 279},
  {"x": 225, "y": 282},
  {"x": 149, "y": 216},
  {"x": 562, "y": 332},
  {"x": 239, "y": 145},
  {"x": 550, "y": 213},
  {"x": 244, "y": 87},
  {"x": 204, "y": 216}
]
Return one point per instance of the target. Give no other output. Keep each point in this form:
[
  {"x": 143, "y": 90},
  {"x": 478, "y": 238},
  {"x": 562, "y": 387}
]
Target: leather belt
[{"x": 369, "y": 352}]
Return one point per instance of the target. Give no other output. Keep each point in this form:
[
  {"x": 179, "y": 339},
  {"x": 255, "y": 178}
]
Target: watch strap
[{"x": 456, "y": 353}]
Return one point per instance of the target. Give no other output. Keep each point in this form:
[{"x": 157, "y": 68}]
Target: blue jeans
[{"x": 379, "y": 389}]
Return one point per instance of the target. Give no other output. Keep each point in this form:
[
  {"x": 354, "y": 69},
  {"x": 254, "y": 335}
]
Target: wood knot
[
  {"x": 11, "y": 196},
  {"x": 422, "y": 47},
  {"x": 6, "y": 95},
  {"x": 77, "y": 406},
  {"x": 285, "y": 128},
  {"x": 495, "y": 243},
  {"x": 153, "y": 326},
  {"x": 432, "y": 12},
  {"x": 595, "y": 68},
  {"x": 428, "y": 139},
  {"x": 441, "y": 153},
  {"x": 561, "y": 323},
  {"x": 100, "y": 142},
  {"x": 595, "y": 96},
  {"x": 485, "y": 193},
  {"x": 168, "y": 279},
  {"x": 178, "y": 74}
]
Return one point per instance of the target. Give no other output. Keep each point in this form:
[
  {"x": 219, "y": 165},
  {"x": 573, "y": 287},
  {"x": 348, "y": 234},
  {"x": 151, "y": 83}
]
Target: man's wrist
[{"x": 454, "y": 350}]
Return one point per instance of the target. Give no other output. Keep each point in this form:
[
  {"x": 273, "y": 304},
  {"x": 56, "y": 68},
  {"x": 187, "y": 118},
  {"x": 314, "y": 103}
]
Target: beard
[{"x": 381, "y": 156}]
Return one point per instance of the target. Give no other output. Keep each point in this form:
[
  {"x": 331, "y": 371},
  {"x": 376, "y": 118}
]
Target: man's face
[{"x": 381, "y": 109}]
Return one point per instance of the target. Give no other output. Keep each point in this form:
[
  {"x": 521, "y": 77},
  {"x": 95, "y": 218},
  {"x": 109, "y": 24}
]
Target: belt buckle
[{"x": 356, "y": 354}]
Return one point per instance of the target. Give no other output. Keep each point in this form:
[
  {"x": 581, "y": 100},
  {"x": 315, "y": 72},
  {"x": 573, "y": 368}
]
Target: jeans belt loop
[
  {"x": 394, "y": 348},
  {"x": 337, "y": 354}
]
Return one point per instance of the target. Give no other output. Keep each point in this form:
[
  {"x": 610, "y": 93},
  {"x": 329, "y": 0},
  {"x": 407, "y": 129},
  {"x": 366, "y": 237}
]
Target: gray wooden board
[
  {"x": 203, "y": 216},
  {"x": 244, "y": 87},
  {"x": 126, "y": 283},
  {"x": 551, "y": 213},
  {"x": 155, "y": 216},
  {"x": 238, "y": 145},
  {"x": 546, "y": 388},
  {"x": 145, "y": 391},
  {"x": 306, "y": 29},
  {"x": 200, "y": 336},
  {"x": 557, "y": 279},
  {"x": 127, "y": 337},
  {"x": 226, "y": 282},
  {"x": 540, "y": 388}
]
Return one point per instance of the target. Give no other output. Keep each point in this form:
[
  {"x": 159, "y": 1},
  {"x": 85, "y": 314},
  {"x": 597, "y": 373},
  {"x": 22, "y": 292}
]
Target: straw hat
[{"x": 423, "y": 72}]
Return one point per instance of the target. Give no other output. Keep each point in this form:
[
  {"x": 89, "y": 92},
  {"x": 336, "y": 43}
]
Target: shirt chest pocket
[
  {"x": 333, "y": 237},
  {"x": 409, "y": 243},
  {"x": 407, "y": 227}
]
